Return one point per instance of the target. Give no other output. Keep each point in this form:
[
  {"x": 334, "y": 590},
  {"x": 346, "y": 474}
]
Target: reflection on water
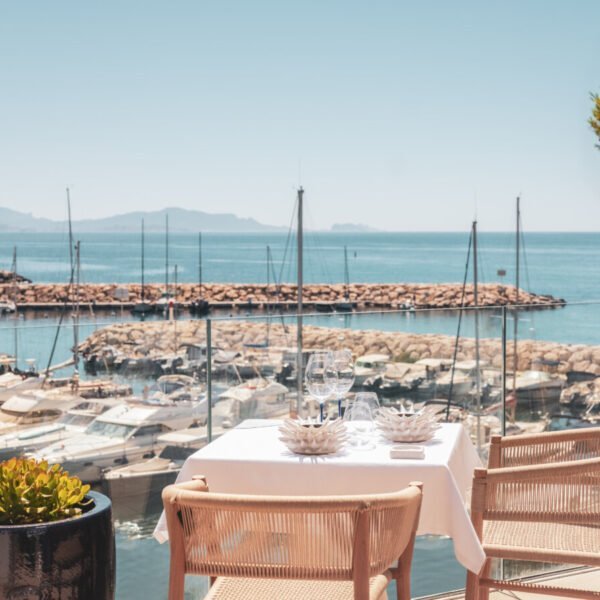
[{"x": 143, "y": 563}]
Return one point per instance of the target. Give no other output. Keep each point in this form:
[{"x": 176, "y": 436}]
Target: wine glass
[
  {"x": 345, "y": 375},
  {"x": 321, "y": 377},
  {"x": 359, "y": 418}
]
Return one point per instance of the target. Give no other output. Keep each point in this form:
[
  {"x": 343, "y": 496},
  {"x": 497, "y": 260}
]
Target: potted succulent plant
[{"x": 56, "y": 536}]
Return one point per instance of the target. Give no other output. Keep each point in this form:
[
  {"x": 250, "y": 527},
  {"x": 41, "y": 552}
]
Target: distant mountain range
[{"x": 180, "y": 221}]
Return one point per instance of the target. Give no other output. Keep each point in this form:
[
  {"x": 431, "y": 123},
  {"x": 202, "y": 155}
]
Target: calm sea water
[{"x": 565, "y": 265}]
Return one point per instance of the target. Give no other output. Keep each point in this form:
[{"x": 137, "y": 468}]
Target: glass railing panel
[
  {"x": 142, "y": 363},
  {"x": 551, "y": 384},
  {"x": 252, "y": 364},
  {"x": 406, "y": 358}
]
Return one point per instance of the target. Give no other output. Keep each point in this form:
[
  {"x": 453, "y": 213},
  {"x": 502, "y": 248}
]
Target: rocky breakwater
[
  {"x": 10, "y": 277},
  {"x": 365, "y": 295},
  {"x": 159, "y": 338}
]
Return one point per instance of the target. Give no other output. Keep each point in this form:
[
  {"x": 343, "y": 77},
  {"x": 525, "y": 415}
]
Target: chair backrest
[
  {"x": 544, "y": 448},
  {"x": 556, "y": 493},
  {"x": 327, "y": 538}
]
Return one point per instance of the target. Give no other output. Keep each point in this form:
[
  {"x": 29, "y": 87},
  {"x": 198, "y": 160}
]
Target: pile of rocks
[
  {"x": 155, "y": 338},
  {"x": 10, "y": 277},
  {"x": 378, "y": 295}
]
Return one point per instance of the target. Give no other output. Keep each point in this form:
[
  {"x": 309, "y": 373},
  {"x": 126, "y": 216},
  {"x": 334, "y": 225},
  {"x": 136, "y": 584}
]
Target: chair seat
[
  {"x": 526, "y": 540},
  {"x": 230, "y": 588}
]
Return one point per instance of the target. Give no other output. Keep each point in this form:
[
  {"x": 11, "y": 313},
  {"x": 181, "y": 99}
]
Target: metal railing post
[
  {"x": 209, "y": 379},
  {"x": 504, "y": 370}
]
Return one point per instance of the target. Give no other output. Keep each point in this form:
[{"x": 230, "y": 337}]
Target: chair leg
[
  {"x": 484, "y": 592},
  {"x": 402, "y": 572},
  {"x": 176, "y": 581},
  {"x": 472, "y": 589}
]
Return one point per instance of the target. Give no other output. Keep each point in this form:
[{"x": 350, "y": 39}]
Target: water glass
[
  {"x": 359, "y": 418},
  {"x": 370, "y": 399}
]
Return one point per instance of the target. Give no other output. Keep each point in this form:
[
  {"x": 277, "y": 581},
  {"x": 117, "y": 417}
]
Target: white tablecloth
[{"x": 251, "y": 459}]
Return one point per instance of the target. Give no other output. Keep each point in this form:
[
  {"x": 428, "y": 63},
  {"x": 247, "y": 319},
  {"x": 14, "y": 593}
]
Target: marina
[
  {"x": 170, "y": 380},
  {"x": 300, "y": 302}
]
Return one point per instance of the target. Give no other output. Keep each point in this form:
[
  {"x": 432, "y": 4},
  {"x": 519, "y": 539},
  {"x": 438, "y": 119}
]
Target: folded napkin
[{"x": 408, "y": 451}]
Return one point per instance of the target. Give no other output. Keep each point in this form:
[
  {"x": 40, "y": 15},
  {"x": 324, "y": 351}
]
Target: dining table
[{"x": 252, "y": 459}]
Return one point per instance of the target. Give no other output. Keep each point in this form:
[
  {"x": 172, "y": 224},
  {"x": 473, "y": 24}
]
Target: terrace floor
[{"x": 584, "y": 579}]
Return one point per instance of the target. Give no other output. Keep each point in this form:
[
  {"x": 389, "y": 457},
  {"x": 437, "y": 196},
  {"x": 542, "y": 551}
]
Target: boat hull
[{"x": 138, "y": 495}]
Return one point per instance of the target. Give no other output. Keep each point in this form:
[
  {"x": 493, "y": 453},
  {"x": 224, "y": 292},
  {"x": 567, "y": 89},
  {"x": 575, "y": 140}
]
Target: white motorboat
[
  {"x": 135, "y": 489},
  {"x": 7, "y": 306},
  {"x": 538, "y": 387},
  {"x": 125, "y": 434},
  {"x": 253, "y": 399},
  {"x": 174, "y": 388},
  {"x": 73, "y": 421},
  {"x": 368, "y": 366},
  {"x": 11, "y": 383},
  {"x": 29, "y": 408}
]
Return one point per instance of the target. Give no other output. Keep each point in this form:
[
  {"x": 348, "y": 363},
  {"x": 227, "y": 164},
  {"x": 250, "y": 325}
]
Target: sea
[{"x": 565, "y": 265}]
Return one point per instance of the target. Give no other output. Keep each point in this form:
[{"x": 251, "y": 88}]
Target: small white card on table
[{"x": 407, "y": 451}]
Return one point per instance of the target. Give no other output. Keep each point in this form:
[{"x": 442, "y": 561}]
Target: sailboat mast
[
  {"x": 70, "y": 229},
  {"x": 143, "y": 265},
  {"x": 200, "y": 264},
  {"x": 346, "y": 275},
  {"x": 14, "y": 272},
  {"x": 14, "y": 299},
  {"x": 268, "y": 305},
  {"x": 477, "y": 358},
  {"x": 76, "y": 315},
  {"x": 167, "y": 255},
  {"x": 299, "y": 363},
  {"x": 516, "y": 310}
]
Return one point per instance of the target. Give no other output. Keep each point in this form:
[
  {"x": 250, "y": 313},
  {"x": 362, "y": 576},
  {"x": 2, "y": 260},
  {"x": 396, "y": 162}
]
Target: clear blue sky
[{"x": 401, "y": 115}]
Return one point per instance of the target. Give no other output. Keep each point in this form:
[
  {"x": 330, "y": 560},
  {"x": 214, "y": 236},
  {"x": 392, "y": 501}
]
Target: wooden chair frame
[
  {"x": 563, "y": 498},
  {"x": 185, "y": 502},
  {"x": 544, "y": 448}
]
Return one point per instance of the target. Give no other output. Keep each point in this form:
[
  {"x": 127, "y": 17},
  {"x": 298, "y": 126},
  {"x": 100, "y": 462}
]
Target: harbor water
[{"x": 564, "y": 265}]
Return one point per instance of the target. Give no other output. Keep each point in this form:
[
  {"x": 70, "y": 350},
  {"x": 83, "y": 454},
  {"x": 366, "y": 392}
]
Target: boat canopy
[
  {"x": 183, "y": 437},
  {"x": 370, "y": 360},
  {"x": 22, "y": 403}
]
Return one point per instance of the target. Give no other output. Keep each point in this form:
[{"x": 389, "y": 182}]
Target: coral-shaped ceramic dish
[
  {"x": 305, "y": 436},
  {"x": 406, "y": 427}
]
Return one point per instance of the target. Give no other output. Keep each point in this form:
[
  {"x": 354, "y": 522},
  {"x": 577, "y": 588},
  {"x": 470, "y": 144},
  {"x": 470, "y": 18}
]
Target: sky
[{"x": 408, "y": 116}]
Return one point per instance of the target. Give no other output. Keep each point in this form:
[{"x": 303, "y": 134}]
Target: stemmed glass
[
  {"x": 321, "y": 377},
  {"x": 345, "y": 375}
]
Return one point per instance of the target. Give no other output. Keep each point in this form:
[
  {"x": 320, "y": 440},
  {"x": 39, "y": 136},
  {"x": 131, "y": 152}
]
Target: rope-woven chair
[
  {"x": 544, "y": 513},
  {"x": 286, "y": 547},
  {"x": 544, "y": 448}
]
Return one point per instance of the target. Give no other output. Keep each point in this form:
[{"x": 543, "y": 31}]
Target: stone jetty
[
  {"x": 362, "y": 295},
  {"x": 158, "y": 338},
  {"x": 10, "y": 277}
]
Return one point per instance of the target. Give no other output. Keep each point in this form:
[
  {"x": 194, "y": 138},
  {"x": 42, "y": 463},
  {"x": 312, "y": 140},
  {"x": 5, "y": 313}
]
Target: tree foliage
[{"x": 595, "y": 118}]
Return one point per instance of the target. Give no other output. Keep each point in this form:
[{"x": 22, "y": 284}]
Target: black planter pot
[{"x": 72, "y": 559}]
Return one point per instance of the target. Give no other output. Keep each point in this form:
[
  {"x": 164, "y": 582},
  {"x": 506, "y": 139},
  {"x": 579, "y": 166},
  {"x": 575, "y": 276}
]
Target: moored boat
[
  {"x": 72, "y": 422},
  {"x": 125, "y": 434},
  {"x": 135, "y": 488}
]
